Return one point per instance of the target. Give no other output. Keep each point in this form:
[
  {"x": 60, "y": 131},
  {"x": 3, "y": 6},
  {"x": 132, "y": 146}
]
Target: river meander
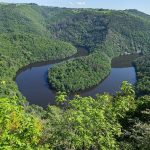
[{"x": 32, "y": 80}]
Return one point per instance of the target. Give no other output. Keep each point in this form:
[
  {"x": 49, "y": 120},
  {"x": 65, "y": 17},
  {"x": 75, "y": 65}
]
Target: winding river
[{"x": 32, "y": 80}]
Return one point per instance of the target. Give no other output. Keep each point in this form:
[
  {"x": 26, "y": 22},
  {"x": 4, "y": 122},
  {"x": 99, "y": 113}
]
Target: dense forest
[
  {"x": 81, "y": 73},
  {"x": 143, "y": 74},
  {"x": 30, "y": 33}
]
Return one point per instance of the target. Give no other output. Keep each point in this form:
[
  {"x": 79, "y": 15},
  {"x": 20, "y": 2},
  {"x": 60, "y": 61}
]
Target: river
[{"x": 32, "y": 80}]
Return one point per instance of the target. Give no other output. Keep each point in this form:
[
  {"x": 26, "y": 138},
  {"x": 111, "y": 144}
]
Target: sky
[{"x": 142, "y": 5}]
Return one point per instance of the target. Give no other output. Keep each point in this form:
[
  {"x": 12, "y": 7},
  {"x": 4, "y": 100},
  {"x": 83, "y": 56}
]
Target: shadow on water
[{"x": 32, "y": 80}]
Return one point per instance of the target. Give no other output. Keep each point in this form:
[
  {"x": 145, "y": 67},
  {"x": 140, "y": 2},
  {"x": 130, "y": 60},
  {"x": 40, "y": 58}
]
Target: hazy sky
[{"x": 142, "y": 5}]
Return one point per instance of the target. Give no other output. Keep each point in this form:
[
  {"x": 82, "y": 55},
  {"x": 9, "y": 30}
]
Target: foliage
[
  {"x": 85, "y": 123},
  {"x": 85, "y": 28},
  {"x": 80, "y": 73},
  {"x": 136, "y": 126},
  {"x": 143, "y": 75},
  {"x": 17, "y": 128},
  {"x": 61, "y": 97},
  {"x": 88, "y": 123}
]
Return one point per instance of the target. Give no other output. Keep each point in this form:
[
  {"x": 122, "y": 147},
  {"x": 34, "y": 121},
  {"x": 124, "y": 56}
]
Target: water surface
[{"x": 33, "y": 80}]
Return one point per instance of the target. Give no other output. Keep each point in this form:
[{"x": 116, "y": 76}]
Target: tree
[{"x": 18, "y": 129}]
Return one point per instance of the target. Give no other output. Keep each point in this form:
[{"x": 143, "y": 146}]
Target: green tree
[{"x": 18, "y": 129}]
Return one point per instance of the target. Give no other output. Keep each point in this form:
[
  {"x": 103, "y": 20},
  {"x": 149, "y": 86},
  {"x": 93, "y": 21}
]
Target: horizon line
[{"x": 8, "y": 3}]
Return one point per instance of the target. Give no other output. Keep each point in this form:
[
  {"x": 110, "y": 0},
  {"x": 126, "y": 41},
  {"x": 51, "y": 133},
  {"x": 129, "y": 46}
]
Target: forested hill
[
  {"x": 138, "y": 14},
  {"x": 30, "y": 33}
]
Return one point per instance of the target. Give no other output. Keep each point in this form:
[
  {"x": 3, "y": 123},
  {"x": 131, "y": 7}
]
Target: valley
[{"x": 49, "y": 53}]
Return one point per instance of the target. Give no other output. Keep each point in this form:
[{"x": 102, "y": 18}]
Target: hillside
[{"x": 30, "y": 33}]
